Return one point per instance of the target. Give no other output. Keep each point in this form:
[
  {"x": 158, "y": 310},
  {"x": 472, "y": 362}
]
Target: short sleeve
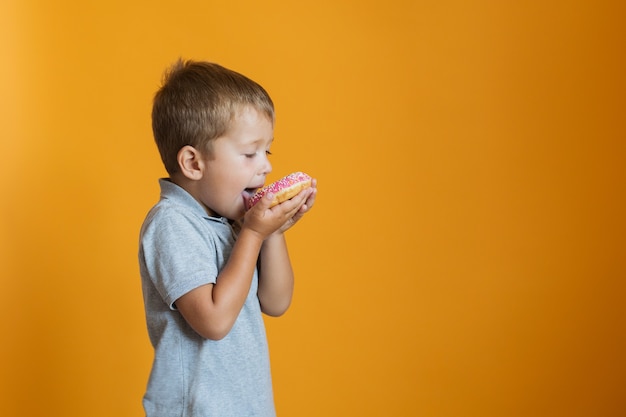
[{"x": 178, "y": 253}]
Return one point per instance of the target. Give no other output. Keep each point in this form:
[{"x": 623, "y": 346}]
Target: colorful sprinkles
[{"x": 275, "y": 187}]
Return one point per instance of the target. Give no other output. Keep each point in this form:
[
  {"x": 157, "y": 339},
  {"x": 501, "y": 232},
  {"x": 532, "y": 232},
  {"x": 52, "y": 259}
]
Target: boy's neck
[{"x": 191, "y": 186}]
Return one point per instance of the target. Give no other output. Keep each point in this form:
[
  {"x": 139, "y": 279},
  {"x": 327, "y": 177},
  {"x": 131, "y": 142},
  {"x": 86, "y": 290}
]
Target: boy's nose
[{"x": 267, "y": 166}]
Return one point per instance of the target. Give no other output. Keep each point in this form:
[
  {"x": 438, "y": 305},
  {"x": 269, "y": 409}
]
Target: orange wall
[{"x": 473, "y": 266}]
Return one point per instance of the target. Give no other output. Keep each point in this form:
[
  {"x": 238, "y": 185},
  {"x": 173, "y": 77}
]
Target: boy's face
[{"x": 237, "y": 165}]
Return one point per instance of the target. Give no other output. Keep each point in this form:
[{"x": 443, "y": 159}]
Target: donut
[{"x": 283, "y": 189}]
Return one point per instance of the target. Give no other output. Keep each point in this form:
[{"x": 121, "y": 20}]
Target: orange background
[{"x": 474, "y": 265}]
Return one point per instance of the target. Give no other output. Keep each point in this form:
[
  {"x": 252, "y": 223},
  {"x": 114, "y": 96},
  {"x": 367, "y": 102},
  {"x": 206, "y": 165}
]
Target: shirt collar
[{"x": 180, "y": 196}]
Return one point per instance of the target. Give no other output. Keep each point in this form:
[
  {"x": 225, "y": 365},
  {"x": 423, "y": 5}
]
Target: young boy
[{"x": 209, "y": 268}]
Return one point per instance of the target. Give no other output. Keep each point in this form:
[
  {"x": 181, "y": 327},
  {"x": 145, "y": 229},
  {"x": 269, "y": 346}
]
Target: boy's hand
[
  {"x": 265, "y": 220},
  {"x": 309, "y": 200}
]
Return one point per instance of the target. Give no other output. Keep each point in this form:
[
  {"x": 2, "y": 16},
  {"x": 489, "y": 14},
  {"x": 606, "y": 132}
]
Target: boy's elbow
[
  {"x": 216, "y": 337},
  {"x": 206, "y": 320},
  {"x": 211, "y": 326},
  {"x": 275, "y": 310},
  {"x": 275, "y": 304},
  {"x": 214, "y": 332}
]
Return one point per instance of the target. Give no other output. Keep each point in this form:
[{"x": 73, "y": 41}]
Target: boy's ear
[{"x": 190, "y": 162}]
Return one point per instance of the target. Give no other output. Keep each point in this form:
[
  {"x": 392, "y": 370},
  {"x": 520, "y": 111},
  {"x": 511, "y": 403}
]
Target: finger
[
  {"x": 294, "y": 203},
  {"x": 265, "y": 202},
  {"x": 258, "y": 211},
  {"x": 311, "y": 197}
]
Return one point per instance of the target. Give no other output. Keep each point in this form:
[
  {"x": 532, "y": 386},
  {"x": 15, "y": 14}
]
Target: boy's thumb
[{"x": 267, "y": 200}]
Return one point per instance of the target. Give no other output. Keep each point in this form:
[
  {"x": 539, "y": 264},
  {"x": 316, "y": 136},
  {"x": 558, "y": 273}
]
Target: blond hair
[{"x": 196, "y": 103}]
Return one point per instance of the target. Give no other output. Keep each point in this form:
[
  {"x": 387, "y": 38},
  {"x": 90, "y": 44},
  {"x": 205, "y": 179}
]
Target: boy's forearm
[
  {"x": 211, "y": 310},
  {"x": 276, "y": 278},
  {"x": 233, "y": 284}
]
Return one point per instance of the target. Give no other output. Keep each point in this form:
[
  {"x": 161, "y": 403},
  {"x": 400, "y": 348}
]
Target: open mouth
[
  {"x": 247, "y": 195},
  {"x": 249, "y": 192}
]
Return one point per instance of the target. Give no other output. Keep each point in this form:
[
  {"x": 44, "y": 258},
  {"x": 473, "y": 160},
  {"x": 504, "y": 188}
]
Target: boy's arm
[
  {"x": 275, "y": 276},
  {"x": 211, "y": 310}
]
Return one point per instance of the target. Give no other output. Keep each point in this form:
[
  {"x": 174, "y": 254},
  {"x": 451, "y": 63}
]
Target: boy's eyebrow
[{"x": 260, "y": 140}]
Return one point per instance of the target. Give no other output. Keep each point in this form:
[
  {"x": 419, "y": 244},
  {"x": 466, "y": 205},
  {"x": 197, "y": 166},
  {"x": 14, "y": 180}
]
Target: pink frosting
[{"x": 276, "y": 186}]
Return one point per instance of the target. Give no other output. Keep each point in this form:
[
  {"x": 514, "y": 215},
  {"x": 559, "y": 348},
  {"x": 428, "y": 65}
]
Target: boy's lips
[{"x": 252, "y": 190}]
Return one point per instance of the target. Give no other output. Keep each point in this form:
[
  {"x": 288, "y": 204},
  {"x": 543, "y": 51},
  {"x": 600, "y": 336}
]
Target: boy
[{"x": 209, "y": 268}]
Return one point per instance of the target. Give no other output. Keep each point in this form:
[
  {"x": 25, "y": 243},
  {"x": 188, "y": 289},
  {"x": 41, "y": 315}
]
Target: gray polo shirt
[{"x": 182, "y": 248}]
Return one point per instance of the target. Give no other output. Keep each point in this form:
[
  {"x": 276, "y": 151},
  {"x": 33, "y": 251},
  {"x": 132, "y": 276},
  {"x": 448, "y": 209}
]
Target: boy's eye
[{"x": 252, "y": 155}]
